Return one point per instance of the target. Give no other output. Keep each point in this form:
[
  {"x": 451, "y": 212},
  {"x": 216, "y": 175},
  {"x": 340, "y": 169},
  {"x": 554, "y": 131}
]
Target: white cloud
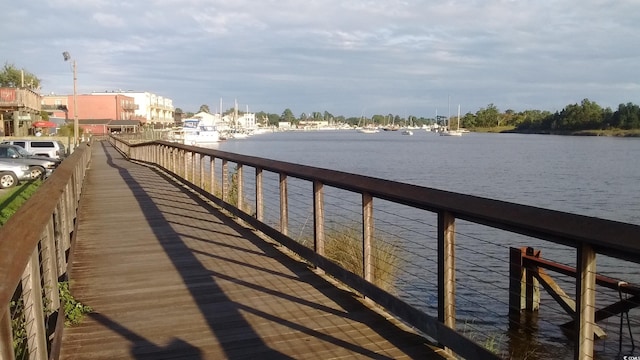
[{"x": 305, "y": 54}]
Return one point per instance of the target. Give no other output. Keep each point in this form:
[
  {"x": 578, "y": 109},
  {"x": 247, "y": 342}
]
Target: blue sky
[{"x": 352, "y": 58}]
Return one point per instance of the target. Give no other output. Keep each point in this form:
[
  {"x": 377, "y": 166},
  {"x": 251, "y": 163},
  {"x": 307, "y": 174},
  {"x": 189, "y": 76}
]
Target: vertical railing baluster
[
  {"x": 367, "y": 237},
  {"x": 33, "y": 309},
  {"x": 318, "y": 217},
  {"x": 585, "y": 301},
  {"x": 284, "y": 205},
  {"x": 446, "y": 269},
  {"x": 259, "y": 196}
]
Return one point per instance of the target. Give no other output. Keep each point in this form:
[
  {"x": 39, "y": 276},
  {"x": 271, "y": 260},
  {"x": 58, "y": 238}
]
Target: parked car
[
  {"x": 40, "y": 167},
  {"x": 11, "y": 174},
  {"x": 49, "y": 148}
]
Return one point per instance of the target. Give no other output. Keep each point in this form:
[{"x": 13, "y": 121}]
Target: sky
[{"x": 348, "y": 57}]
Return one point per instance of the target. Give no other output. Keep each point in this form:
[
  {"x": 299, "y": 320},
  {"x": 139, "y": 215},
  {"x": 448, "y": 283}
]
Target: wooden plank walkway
[{"x": 169, "y": 277}]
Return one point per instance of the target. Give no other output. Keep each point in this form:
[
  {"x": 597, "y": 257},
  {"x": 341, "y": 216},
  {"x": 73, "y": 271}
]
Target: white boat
[
  {"x": 368, "y": 130},
  {"x": 237, "y": 134},
  {"x": 449, "y": 132},
  {"x": 195, "y": 132},
  {"x": 407, "y": 132}
]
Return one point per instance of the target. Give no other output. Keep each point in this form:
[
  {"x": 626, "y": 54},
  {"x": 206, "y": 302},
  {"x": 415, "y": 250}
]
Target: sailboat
[
  {"x": 450, "y": 132},
  {"x": 367, "y": 129}
]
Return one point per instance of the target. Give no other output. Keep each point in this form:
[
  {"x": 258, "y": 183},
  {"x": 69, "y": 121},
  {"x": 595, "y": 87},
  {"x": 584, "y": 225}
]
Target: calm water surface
[{"x": 594, "y": 176}]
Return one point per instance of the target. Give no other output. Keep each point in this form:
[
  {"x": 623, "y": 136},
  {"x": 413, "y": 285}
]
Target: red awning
[{"x": 43, "y": 124}]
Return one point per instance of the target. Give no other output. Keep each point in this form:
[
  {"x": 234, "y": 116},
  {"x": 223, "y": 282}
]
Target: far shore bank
[{"x": 609, "y": 132}]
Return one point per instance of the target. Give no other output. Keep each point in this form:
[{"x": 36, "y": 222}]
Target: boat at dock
[{"x": 195, "y": 132}]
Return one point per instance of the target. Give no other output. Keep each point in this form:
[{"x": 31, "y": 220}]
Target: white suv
[{"x": 49, "y": 148}]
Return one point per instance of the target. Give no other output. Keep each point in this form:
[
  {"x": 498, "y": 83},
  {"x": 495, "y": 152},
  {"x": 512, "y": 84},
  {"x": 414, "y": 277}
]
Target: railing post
[
  {"x": 515, "y": 285},
  {"x": 446, "y": 269},
  {"x": 6, "y": 336},
  {"x": 201, "y": 183},
  {"x": 367, "y": 237},
  {"x": 585, "y": 301},
  {"x": 33, "y": 308},
  {"x": 318, "y": 217},
  {"x": 50, "y": 267},
  {"x": 239, "y": 186},
  {"x": 185, "y": 164},
  {"x": 532, "y": 288},
  {"x": 259, "y": 196},
  {"x": 212, "y": 174},
  {"x": 225, "y": 179},
  {"x": 194, "y": 167},
  {"x": 284, "y": 205}
]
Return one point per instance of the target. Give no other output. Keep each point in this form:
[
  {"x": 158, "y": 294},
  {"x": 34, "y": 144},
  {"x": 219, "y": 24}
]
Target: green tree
[
  {"x": 11, "y": 76},
  {"x": 488, "y": 117},
  {"x": 287, "y": 115},
  {"x": 586, "y": 115},
  {"x": 626, "y": 117},
  {"x": 204, "y": 108},
  {"x": 468, "y": 121},
  {"x": 274, "y": 119}
]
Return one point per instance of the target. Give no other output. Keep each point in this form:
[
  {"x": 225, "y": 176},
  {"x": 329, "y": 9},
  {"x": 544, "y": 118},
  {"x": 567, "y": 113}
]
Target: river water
[{"x": 593, "y": 176}]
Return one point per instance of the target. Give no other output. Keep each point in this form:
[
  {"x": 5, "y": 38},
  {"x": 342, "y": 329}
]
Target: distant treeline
[{"x": 584, "y": 116}]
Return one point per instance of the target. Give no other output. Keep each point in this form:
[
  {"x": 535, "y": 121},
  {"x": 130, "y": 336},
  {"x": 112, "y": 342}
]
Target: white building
[{"x": 150, "y": 108}]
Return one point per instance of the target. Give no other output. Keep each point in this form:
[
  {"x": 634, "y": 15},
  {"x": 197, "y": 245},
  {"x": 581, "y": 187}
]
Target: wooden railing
[
  {"x": 586, "y": 235},
  {"x": 35, "y": 247}
]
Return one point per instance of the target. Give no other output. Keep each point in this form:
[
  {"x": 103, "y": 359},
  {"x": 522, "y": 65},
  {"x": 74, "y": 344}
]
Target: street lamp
[{"x": 67, "y": 57}]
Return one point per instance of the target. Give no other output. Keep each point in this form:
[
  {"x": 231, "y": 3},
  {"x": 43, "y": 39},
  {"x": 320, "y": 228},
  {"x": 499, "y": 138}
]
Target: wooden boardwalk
[{"x": 169, "y": 277}]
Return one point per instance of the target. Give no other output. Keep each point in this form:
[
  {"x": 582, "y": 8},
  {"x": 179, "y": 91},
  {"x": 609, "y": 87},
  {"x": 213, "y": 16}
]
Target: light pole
[{"x": 67, "y": 57}]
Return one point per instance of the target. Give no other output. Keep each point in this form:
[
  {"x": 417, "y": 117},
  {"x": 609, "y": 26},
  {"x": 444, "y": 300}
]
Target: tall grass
[{"x": 343, "y": 245}]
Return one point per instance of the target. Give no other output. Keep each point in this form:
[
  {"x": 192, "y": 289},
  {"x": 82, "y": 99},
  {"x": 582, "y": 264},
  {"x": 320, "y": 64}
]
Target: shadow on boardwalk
[{"x": 169, "y": 276}]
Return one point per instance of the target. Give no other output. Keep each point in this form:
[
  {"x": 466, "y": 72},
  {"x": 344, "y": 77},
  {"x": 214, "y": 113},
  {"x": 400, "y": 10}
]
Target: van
[{"x": 49, "y": 148}]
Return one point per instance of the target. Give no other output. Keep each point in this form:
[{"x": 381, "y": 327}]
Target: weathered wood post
[
  {"x": 202, "y": 175},
  {"x": 240, "y": 187},
  {"x": 225, "y": 180},
  {"x": 585, "y": 302},
  {"x": 515, "y": 285},
  {"x": 367, "y": 237},
  {"x": 212, "y": 175},
  {"x": 446, "y": 269},
  {"x": 318, "y": 218},
  {"x": 259, "y": 196},
  {"x": 284, "y": 205},
  {"x": 532, "y": 286}
]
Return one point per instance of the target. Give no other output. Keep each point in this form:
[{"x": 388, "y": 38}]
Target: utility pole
[{"x": 67, "y": 57}]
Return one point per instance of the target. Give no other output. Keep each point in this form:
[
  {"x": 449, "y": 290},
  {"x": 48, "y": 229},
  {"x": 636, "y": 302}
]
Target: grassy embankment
[{"x": 11, "y": 199}]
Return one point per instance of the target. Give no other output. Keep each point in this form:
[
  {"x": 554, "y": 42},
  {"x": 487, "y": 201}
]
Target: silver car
[
  {"x": 11, "y": 174},
  {"x": 40, "y": 167}
]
